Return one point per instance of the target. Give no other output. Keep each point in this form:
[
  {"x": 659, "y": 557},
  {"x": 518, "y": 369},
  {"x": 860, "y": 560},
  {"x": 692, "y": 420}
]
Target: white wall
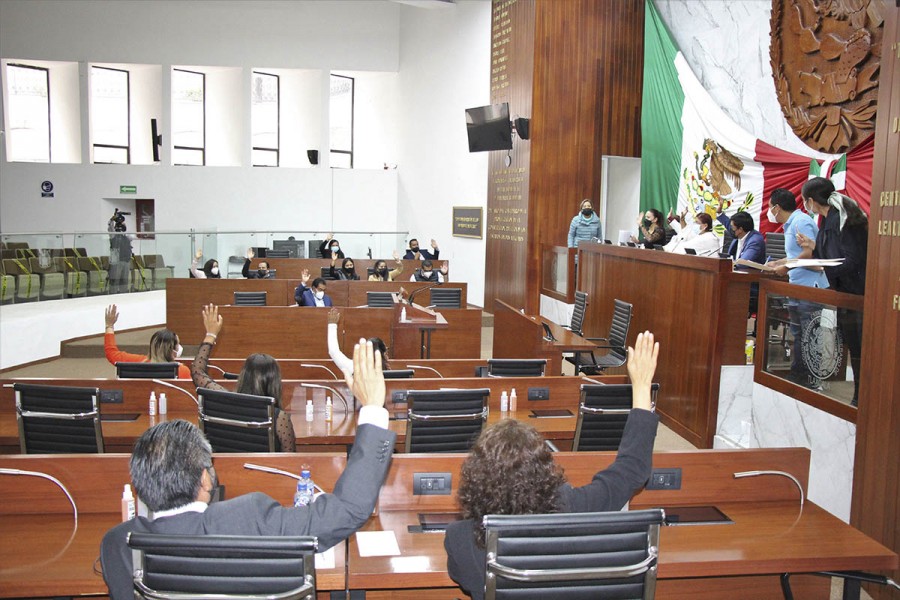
[{"x": 444, "y": 69}]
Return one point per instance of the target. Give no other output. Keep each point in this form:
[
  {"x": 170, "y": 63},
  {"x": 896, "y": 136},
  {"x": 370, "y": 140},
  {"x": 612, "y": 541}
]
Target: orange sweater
[{"x": 114, "y": 355}]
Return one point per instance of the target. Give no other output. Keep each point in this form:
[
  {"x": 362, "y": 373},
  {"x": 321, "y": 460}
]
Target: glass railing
[
  {"x": 810, "y": 340},
  {"x": 558, "y": 272},
  {"x": 52, "y": 266}
]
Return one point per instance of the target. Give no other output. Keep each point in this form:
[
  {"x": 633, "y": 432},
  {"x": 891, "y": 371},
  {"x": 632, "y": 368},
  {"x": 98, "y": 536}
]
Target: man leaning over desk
[{"x": 172, "y": 472}]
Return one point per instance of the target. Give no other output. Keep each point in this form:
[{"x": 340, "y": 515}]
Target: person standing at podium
[{"x": 585, "y": 226}]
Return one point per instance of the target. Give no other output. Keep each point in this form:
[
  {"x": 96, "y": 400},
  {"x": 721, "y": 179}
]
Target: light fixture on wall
[
  {"x": 313, "y": 156},
  {"x": 521, "y": 127}
]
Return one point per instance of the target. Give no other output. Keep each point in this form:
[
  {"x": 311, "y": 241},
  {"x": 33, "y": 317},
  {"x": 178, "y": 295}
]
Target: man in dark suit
[
  {"x": 748, "y": 243},
  {"x": 416, "y": 253},
  {"x": 172, "y": 472},
  {"x": 311, "y": 296}
]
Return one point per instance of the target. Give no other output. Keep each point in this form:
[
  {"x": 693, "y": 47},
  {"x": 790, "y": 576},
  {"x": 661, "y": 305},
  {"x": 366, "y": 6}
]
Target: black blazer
[{"x": 326, "y": 252}]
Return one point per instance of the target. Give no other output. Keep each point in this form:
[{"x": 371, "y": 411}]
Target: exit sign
[{"x": 128, "y": 189}]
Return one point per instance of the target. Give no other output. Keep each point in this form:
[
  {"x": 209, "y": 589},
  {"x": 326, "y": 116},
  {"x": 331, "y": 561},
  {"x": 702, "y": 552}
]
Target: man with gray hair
[{"x": 172, "y": 472}]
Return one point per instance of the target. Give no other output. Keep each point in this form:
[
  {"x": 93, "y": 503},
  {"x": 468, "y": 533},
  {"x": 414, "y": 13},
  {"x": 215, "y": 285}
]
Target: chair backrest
[
  {"x": 572, "y": 555},
  {"x": 399, "y": 374},
  {"x": 227, "y": 566},
  {"x": 236, "y": 422},
  {"x": 379, "y": 299},
  {"x": 325, "y": 273},
  {"x": 577, "y": 324},
  {"x": 250, "y": 298},
  {"x": 146, "y": 370},
  {"x": 618, "y": 330},
  {"x": 517, "y": 367},
  {"x": 58, "y": 420},
  {"x": 442, "y": 297},
  {"x": 602, "y": 413},
  {"x": 445, "y": 420},
  {"x": 775, "y": 245}
]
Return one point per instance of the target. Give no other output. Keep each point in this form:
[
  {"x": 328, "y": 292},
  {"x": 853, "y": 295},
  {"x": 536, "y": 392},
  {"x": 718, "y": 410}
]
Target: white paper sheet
[
  {"x": 377, "y": 543},
  {"x": 325, "y": 560}
]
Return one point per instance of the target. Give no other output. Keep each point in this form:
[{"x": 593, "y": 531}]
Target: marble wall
[
  {"x": 754, "y": 416},
  {"x": 727, "y": 46}
]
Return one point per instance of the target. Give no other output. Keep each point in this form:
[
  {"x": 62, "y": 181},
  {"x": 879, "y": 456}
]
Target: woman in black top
[
  {"x": 347, "y": 270},
  {"x": 330, "y": 248},
  {"x": 652, "y": 226},
  {"x": 260, "y": 376}
]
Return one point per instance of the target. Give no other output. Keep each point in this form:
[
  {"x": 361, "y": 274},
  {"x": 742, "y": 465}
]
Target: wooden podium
[{"x": 419, "y": 320}]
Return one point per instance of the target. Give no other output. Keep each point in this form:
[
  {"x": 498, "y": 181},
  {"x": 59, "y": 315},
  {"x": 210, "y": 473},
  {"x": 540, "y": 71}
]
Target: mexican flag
[{"x": 694, "y": 156}]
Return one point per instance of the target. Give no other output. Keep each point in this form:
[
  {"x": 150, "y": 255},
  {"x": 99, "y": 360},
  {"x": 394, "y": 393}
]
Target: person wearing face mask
[
  {"x": 330, "y": 247},
  {"x": 417, "y": 253},
  {"x": 164, "y": 346},
  {"x": 262, "y": 270},
  {"x": 347, "y": 272},
  {"x": 585, "y": 226},
  {"x": 698, "y": 236},
  {"x": 311, "y": 296},
  {"x": 428, "y": 273},
  {"x": 652, "y": 228},
  {"x": 844, "y": 234},
  {"x": 381, "y": 273},
  {"x": 748, "y": 243},
  {"x": 210, "y": 268}
]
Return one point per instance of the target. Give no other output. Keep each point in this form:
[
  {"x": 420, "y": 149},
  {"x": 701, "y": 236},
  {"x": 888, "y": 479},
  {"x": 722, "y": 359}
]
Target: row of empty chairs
[
  {"x": 45, "y": 277},
  {"x": 440, "y": 298}
]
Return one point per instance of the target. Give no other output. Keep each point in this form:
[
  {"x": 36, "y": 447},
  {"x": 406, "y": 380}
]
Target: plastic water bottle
[
  {"x": 504, "y": 402},
  {"x": 304, "y": 493},
  {"x": 152, "y": 408}
]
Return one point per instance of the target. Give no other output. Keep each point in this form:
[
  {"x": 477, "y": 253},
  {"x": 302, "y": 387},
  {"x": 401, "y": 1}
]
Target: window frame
[
  {"x": 277, "y": 148},
  {"x": 349, "y": 152},
  {"x": 46, "y": 71},
  {"x": 201, "y": 149},
  {"x": 127, "y": 148}
]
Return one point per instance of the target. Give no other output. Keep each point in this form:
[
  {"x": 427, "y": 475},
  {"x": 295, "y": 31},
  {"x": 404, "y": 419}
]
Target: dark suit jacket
[
  {"x": 754, "y": 244},
  {"x": 306, "y": 297},
  {"x": 609, "y": 490},
  {"x": 331, "y": 517},
  {"x": 424, "y": 253},
  {"x": 248, "y": 274}
]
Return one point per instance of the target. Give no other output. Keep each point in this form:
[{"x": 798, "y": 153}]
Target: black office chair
[
  {"x": 602, "y": 413},
  {"x": 58, "y": 420},
  {"x": 236, "y": 422},
  {"x": 325, "y": 273},
  {"x": 775, "y": 246},
  {"x": 399, "y": 374},
  {"x": 590, "y": 364},
  {"x": 445, "y": 420},
  {"x": 146, "y": 370},
  {"x": 379, "y": 299},
  {"x": 250, "y": 298},
  {"x": 577, "y": 323},
  {"x": 516, "y": 367},
  {"x": 572, "y": 555},
  {"x": 223, "y": 566},
  {"x": 446, "y": 297}
]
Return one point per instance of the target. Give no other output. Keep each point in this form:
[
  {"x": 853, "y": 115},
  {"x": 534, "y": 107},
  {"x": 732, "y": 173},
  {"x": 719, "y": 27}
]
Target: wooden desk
[
  {"x": 292, "y": 368},
  {"x": 517, "y": 335}
]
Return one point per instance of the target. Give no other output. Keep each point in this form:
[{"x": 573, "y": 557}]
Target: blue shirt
[
  {"x": 800, "y": 222},
  {"x": 581, "y": 229}
]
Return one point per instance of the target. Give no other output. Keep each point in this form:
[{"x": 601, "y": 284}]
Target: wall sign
[
  {"x": 468, "y": 221},
  {"x": 128, "y": 189},
  {"x": 46, "y": 189}
]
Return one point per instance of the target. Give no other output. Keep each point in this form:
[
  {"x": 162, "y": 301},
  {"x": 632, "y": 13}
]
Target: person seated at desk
[
  {"x": 173, "y": 473},
  {"x": 653, "y": 230},
  {"x": 164, "y": 346},
  {"x": 210, "y": 268},
  {"x": 330, "y": 247},
  {"x": 262, "y": 270},
  {"x": 416, "y": 253},
  {"x": 334, "y": 348},
  {"x": 748, "y": 243},
  {"x": 699, "y": 237},
  {"x": 315, "y": 296},
  {"x": 381, "y": 273},
  {"x": 260, "y": 376},
  {"x": 511, "y": 471},
  {"x": 427, "y": 273},
  {"x": 347, "y": 272}
]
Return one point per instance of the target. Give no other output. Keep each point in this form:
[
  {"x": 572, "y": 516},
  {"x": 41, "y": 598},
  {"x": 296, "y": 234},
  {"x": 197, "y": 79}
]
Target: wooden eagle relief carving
[{"x": 825, "y": 57}]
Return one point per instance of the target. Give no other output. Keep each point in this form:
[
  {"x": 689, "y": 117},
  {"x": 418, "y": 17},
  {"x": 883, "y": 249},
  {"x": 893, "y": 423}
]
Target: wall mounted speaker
[
  {"x": 522, "y": 127},
  {"x": 313, "y": 156}
]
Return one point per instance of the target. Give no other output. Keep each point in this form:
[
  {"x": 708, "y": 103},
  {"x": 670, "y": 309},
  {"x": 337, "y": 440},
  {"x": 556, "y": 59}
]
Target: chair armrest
[
  {"x": 590, "y": 339},
  {"x": 608, "y": 347},
  {"x": 551, "y": 445}
]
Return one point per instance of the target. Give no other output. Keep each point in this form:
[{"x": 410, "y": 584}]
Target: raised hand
[
  {"x": 396, "y": 256},
  {"x": 199, "y": 253},
  {"x": 212, "y": 320},
  {"x": 329, "y": 237},
  {"x": 250, "y": 254},
  {"x": 641, "y": 367},
  {"x": 304, "y": 277},
  {"x": 112, "y": 315},
  {"x": 334, "y": 316},
  {"x": 367, "y": 380},
  {"x": 444, "y": 268},
  {"x": 434, "y": 244}
]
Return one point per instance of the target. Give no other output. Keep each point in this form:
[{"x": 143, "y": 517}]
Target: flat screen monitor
[
  {"x": 295, "y": 248},
  {"x": 489, "y": 128}
]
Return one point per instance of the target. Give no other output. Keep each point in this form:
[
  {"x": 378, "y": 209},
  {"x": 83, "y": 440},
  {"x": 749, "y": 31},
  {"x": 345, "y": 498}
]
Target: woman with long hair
[
  {"x": 210, "y": 268},
  {"x": 381, "y": 272},
  {"x": 510, "y": 471},
  {"x": 164, "y": 346},
  {"x": 652, "y": 226},
  {"x": 260, "y": 376}
]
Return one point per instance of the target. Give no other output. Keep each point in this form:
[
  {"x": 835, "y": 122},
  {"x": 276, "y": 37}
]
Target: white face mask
[
  {"x": 694, "y": 229},
  {"x": 214, "y": 270},
  {"x": 319, "y": 295},
  {"x": 771, "y": 216},
  {"x": 335, "y": 249},
  {"x": 178, "y": 351},
  {"x": 427, "y": 274}
]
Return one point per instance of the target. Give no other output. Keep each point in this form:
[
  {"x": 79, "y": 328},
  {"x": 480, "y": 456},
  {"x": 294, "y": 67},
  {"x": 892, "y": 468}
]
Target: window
[
  {"x": 28, "y": 88},
  {"x": 110, "y": 116},
  {"x": 188, "y": 117},
  {"x": 341, "y": 121},
  {"x": 265, "y": 118}
]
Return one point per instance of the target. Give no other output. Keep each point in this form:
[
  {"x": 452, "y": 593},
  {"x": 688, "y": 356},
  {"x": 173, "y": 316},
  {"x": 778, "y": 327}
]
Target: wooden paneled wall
[
  {"x": 582, "y": 63},
  {"x": 876, "y": 478}
]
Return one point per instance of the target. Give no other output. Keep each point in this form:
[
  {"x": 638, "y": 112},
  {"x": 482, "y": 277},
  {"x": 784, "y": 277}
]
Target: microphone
[
  {"x": 314, "y": 366},
  {"x": 275, "y": 471},
  {"x": 780, "y": 474},
  {"x": 414, "y": 367},
  {"x": 422, "y": 289},
  {"x": 175, "y": 387},
  {"x": 331, "y": 389},
  {"x": 49, "y": 478}
]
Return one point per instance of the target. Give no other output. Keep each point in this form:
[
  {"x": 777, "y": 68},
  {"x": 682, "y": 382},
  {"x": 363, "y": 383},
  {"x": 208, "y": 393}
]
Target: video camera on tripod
[{"x": 117, "y": 221}]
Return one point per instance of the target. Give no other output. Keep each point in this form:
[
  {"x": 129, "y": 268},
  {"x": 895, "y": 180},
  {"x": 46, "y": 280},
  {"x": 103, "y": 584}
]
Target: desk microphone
[
  {"x": 332, "y": 390},
  {"x": 414, "y": 367},
  {"x": 175, "y": 387},
  {"x": 275, "y": 471},
  {"x": 422, "y": 289},
  {"x": 50, "y": 478},
  {"x": 313, "y": 366},
  {"x": 779, "y": 473}
]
